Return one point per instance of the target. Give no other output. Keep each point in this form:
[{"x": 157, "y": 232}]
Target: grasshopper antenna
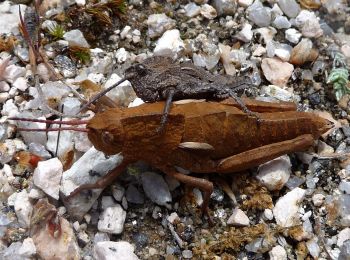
[
  {"x": 59, "y": 133},
  {"x": 102, "y": 93},
  {"x": 68, "y": 122}
]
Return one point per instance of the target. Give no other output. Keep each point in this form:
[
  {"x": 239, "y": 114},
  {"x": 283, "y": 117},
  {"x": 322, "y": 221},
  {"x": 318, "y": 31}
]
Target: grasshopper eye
[{"x": 107, "y": 137}]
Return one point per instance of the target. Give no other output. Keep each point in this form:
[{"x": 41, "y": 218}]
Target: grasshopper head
[
  {"x": 136, "y": 71},
  {"x": 106, "y": 133}
]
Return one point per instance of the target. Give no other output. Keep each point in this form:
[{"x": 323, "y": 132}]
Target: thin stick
[
  {"x": 53, "y": 129},
  {"x": 59, "y": 133},
  {"x": 68, "y": 122}
]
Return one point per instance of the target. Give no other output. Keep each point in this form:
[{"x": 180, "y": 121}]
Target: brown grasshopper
[{"x": 203, "y": 137}]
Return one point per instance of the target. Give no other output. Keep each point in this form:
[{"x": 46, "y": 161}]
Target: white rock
[
  {"x": 173, "y": 217},
  {"x": 287, "y": 216},
  {"x": 170, "y": 44},
  {"x": 344, "y": 186},
  {"x": 65, "y": 144},
  {"x": 278, "y": 93},
  {"x": 158, "y": 24},
  {"x": 246, "y": 34},
  {"x": 277, "y": 71},
  {"x": 275, "y": 174},
  {"x": 267, "y": 33},
  {"x": 123, "y": 94},
  {"x": 343, "y": 236},
  {"x": 32, "y": 137},
  {"x": 259, "y": 51},
  {"x": 76, "y": 38},
  {"x": 47, "y": 176},
  {"x": 3, "y": 97},
  {"x": 108, "y": 250},
  {"x": 71, "y": 105},
  {"x": 198, "y": 196},
  {"x": 225, "y": 7},
  {"x": 278, "y": 253},
  {"x": 126, "y": 32},
  {"x": 206, "y": 60},
  {"x": 9, "y": 109},
  {"x": 112, "y": 220},
  {"x": 13, "y": 72},
  {"x": 192, "y": 10},
  {"x": 281, "y": 22},
  {"x": 309, "y": 24},
  {"x": 7, "y": 150},
  {"x": 60, "y": 247},
  {"x": 28, "y": 248},
  {"x": 259, "y": 14},
  {"x": 136, "y": 102},
  {"x": 268, "y": 214},
  {"x": 290, "y": 7},
  {"x": 9, "y": 23},
  {"x": 293, "y": 35},
  {"x": 229, "y": 67},
  {"x": 156, "y": 189},
  {"x": 23, "y": 209},
  {"x": 92, "y": 161},
  {"x": 313, "y": 247},
  {"x": 238, "y": 218},
  {"x": 20, "y": 84},
  {"x": 318, "y": 199},
  {"x": 245, "y": 3},
  {"x": 80, "y": 2},
  {"x": 4, "y": 86},
  {"x": 208, "y": 11},
  {"x": 107, "y": 201},
  {"x": 122, "y": 55},
  {"x": 36, "y": 194},
  {"x": 118, "y": 192}
]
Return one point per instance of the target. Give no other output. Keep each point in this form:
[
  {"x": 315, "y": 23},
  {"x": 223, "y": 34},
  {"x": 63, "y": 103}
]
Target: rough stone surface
[
  {"x": 277, "y": 71},
  {"x": 275, "y": 174},
  {"x": 238, "y": 218},
  {"x": 47, "y": 176},
  {"x": 108, "y": 250},
  {"x": 289, "y": 7},
  {"x": 288, "y": 216},
  {"x": 170, "y": 44},
  {"x": 23, "y": 208},
  {"x": 158, "y": 24},
  {"x": 112, "y": 220}
]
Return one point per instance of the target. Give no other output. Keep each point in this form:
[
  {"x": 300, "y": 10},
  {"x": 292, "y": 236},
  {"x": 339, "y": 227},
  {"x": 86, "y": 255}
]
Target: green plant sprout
[
  {"x": 339, "y": 76},
  {"x": 56, "y": 31}
]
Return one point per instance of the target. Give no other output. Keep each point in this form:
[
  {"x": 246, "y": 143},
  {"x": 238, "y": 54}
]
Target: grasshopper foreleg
[{"x": 163, "y": 121}]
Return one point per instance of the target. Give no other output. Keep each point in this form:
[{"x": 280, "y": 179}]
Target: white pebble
[
  {"x": 112, "y": 220},
  {"x": 108, "y": 250},
  {"x": 23, "y": 208},
  {"x": 238, "y": 218}
]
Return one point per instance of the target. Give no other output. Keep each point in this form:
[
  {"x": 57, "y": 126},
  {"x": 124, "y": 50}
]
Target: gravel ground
[{"x": 294, "y": 207}]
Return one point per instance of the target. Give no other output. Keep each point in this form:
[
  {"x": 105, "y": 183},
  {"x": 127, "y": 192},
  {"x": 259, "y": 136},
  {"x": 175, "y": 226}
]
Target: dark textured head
[{"x": 136, "y": 71}]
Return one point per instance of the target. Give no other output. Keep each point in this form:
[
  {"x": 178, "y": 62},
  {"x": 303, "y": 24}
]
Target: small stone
[
  {"x": 118, "y": 192},
  {"x": 152, "y": 251},
  {"x": 245, "y": 3},
  {"x": 198, "y": 196},
  {"x": 281, "y": 22},
  {"x": 170, "y": 44},
  {"x": 313, "y": 247},
  {"x": 268, "y": 214},
  {"x": 266, "y": 34},
  {"x": 158, "y": 24},
  {"x": 23, "y": 208},
  {"x": 76, "y": 38},
  {"x": 278, "y": 253},
  {"x": 71, "y": 105},
  {"x": 290, "y": 7},
  {"x": 20, "y": 84},
  {"x": 156, "y": 188},
  {"x": 88, "y": 169},
  {"x": 309, "y": 25},
  {"x": 288, "y": 216},
  {"x": 293, "y": 35},
  {"x": 83, "y": 238},
  {"x": 107, "y": 201},
  {"x": 4, "y": 86},
  {"x": 187, "y": 254},
  {"x": 7, "y": 151},
  {"x": 303, "y": 52},
  {"x": 133, "y": 195},
  {"x": 225, "y": 7},
  {"x": 277, "y": 71},
  {"x": 318, "y": 199},
  {"x": 343, "y": 236},
  {"x": 246, "y": 34},
  {"x": 140, "y": 240},
  {"x": 344, "y": 186},
  {"x": 112, "y": 220},
  {"x": 345, "y": 250},
  {"x": 173, "y": 217},
  {"x": 28, "y": 248},
  {"x": 208, "y": 11},
  {"x": 259, "y": 14},
  {"x": 47, "y": 176},
  {"x": 108, "y": 250},
  {"x": 36, "y": 194},
  {"x": 206, "y": 60},
  {"x": 60, "y": 247},
  {"x": 76, "y": 226},
  {"x": 192, "y": 10},
  {"x": 225, "y": 51},
  {"x": 275, "y": 174},
  {"x": 238, "y": 218}
]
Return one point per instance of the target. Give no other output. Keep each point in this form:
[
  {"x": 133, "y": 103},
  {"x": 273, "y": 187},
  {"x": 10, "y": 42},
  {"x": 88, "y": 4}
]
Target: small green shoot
[
  {"x": 56, "y": 31},
  {"x": 80, "y": 54},
  {"x": 339, "y": 76}
]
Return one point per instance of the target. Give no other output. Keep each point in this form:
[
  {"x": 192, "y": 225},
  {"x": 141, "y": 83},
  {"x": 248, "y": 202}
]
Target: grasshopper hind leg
[{"x": 204, "y": 185}]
